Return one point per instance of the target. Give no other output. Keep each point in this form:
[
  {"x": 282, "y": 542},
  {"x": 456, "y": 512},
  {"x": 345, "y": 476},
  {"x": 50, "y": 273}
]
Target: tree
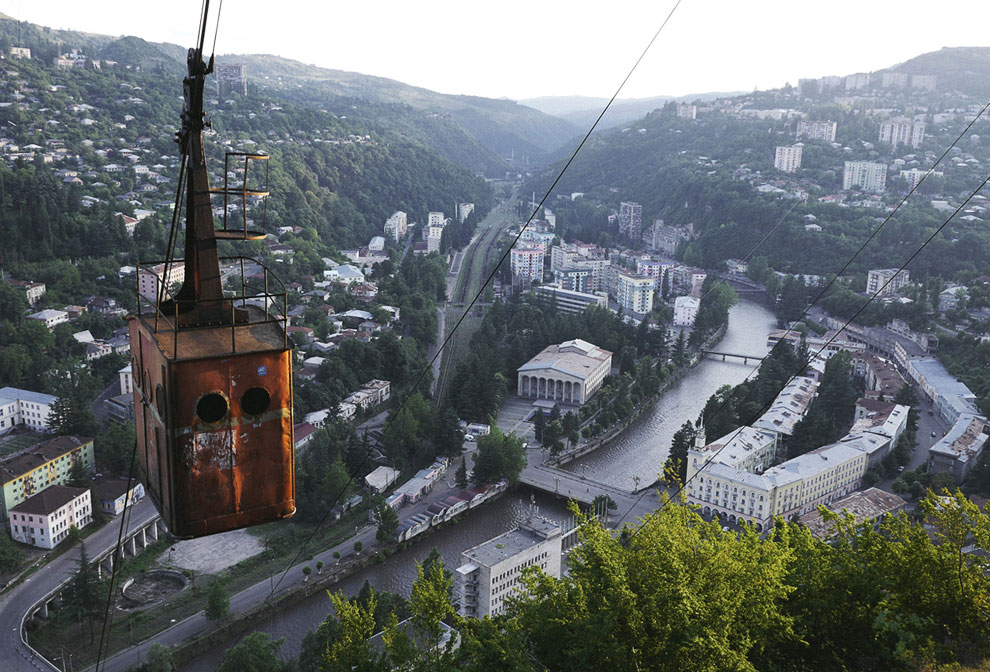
[
  {"x": 160, "y": 658},
  {"x": 675, "y": 468},
  {"x": 430, "y": 603},
  {"x": 461, "y": 477},
  {"x": 217, "y": 602},
  {"x": 11, "y": 556},
  {"x": 84, "y": 595},
  {"x": 539, "y": 424},
  {"x": 255, "y": 653},
  {"x": 500, "y": 456},
  {"x": 78, "y": 478},
  {"x": 388, "y": 523},
  {"x": 307, "y": 570},
  {"x": 115, "y": 448},
  {"x": 319, "y": 567},
  {"x": 357, "y": 547},
  {"x": 336, "y": 556}
]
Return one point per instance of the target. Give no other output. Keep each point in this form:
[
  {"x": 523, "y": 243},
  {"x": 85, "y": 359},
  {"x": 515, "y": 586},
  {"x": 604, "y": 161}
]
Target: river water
[
  {"x": 642, "y": 449},
  {"x": 639, "y": 451}
]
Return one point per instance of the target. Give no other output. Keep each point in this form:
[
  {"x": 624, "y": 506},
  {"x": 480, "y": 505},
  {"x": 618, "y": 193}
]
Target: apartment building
[
  {"x": 24, "y": 408},
  {"x": 787, "y": 159},
  {"x": 45, "y": 519},
  {"x": 634, "y": 293},
  {"x": 631, "y": 219},
  {"x": 396, "y": 225},
  {"x": 490, "y": 572},
  {"x": 902, "y": 131},
  {"x": 817, "y": 130},
  {"x": 526, "y": 262},
  {"x": 886, "y": 281},
  {"x": 865, "y": 175},
  {"x": 48, "y": 463}
]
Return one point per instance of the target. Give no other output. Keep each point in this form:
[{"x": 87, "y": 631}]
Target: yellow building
[{"x": 47, "y": 463}]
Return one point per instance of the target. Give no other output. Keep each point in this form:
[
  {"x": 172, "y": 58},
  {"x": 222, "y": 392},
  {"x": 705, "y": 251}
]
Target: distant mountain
[
  {"x": 963, "y": 69},
  {"x": 504, "y": 127},
  {"x": 583, "y": 110}
]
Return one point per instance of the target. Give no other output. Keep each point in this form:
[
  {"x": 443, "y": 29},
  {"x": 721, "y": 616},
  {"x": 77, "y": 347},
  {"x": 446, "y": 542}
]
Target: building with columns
[{"x": 569, "y": 373}]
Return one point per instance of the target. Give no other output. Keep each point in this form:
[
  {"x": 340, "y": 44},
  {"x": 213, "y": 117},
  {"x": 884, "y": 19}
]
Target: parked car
[
  {"x": 934, "y": 434},
  {"x": 470, "y": 437}
]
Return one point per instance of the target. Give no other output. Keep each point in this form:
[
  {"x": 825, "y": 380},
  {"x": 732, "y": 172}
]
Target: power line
[
  {"x": 115, "y": 560},
  {"x": 467, "y": 310},
  {"x": 817, "y": 354}
]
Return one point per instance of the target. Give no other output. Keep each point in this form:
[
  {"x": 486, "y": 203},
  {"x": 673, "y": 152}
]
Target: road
[
  {"x": 253, "y": 596},
  {"x": 16, "y": 602}
]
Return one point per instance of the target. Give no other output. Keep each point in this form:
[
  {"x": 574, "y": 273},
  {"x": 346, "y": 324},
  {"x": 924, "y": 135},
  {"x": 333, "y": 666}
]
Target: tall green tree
[
  {"x": 217, "y": 601},
  {"x": 255, "y": 653},
  {"x": 430, "y": 604},
  {"x": 499, "y": 456},
  {"x": 388, "y": 523}
]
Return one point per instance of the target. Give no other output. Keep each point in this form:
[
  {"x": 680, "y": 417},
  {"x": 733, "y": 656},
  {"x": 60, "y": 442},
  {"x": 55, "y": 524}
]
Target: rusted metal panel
[{"x": 215, "y": 441}]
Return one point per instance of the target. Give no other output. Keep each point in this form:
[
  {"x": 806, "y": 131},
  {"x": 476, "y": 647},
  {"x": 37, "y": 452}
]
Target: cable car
[{"x": 212, "y": 366}]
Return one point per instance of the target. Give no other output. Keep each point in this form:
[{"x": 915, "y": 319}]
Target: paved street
[{"x": 16, "y": 601}]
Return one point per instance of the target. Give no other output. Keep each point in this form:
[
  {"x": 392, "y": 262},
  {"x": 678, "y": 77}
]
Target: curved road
[{"x": 17, "y": 601}]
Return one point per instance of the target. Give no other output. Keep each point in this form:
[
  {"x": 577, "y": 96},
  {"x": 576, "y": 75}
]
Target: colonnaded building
[{"x": 570, "y": 372}]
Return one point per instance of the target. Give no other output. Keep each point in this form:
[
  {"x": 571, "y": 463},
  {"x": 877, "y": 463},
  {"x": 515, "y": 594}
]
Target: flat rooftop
[{"x": 534, "y": 532}]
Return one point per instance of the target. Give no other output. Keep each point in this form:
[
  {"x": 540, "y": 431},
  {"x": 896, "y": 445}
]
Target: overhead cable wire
[
  {"x": 790, "y": 329},
  {"x": 484, "y": 285}
]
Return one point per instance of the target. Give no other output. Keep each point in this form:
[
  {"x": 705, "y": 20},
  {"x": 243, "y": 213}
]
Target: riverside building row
[{"x": 732, "y": 477}]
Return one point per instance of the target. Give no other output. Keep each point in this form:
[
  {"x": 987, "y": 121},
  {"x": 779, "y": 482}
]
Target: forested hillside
[{"x": 337, "y": 175}]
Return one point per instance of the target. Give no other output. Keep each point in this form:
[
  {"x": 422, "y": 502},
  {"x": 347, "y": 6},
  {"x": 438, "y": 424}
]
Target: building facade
[
  {"x": 865, "y": 175},
  {"x": 634, "y": 293},
  {"x": 902, "y": 131},
  {"x": 24, "y": 408},
  {"x": 568, "y": 300},
  {"x": 886, "y": 281},
  {"x": 151, "y": 277},
  {"x": 570, "y": 372},
  {"x": 787, "y": 159},
  {"x": 685, "y": 310},
  {"x": 48, "y": 463},
  {"x": 396, "y": 225},
  {"x": 490, "y": 572},
  {"x": 45, "y": 519},
  {"x": 631, "y": 219},
  {"x": 817, "y": 130},
  {"x": 526, "y": 262}
]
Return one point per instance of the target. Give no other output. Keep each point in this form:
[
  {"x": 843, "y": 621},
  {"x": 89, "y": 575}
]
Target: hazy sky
[{"x": 521, "y": 49}]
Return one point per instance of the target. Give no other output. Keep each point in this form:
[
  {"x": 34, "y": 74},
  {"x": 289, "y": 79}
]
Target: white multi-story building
[
  {"x": 860, "y": 80},
  {"x": 634, "y": 293},
  {"x": 570, "y": 372},
  {"x": 151, "y": 277},
  {"x": 788, "y": 158},
  {"x": 685, "y": 111},
  {"x": 20, "y": 52},
  {"x": 570, "y": 301},
  {"x": 464, "y": 210},
  {"x": 396, "y": 225},
  {"x": 914, "y": 175},
  {"x": 490, "y": 572},
  {"x": 902, "y": 131},
  {"x": 543, "y": 239},
  {"x": 817, "y": 130},
  {"x": 685, "y": 310},
  {"x": 894, "y": 80},
  {"x": 631, "y": 219},
  {"x": 653, "y": 269},
  {"x": 44, "y": 519},
  {"x": 23, "y": 407},
  {"x": 436, "y": 219},
  {"x": 50, "y": 318},
  {"x": 886, "y": 281},
  {"x": 866, "y": 175},
  {"x": 527, "y": 262},
  {"x": 126, "y": 380}
]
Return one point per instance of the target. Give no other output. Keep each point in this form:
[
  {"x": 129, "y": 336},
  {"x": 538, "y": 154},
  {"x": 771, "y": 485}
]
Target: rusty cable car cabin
[{"x": 212, "y": 367}]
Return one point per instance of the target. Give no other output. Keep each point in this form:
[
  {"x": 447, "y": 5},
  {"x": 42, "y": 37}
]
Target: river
[
  {"x": 639, "y": 451},
  {"x": 643, "y": 448}
]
